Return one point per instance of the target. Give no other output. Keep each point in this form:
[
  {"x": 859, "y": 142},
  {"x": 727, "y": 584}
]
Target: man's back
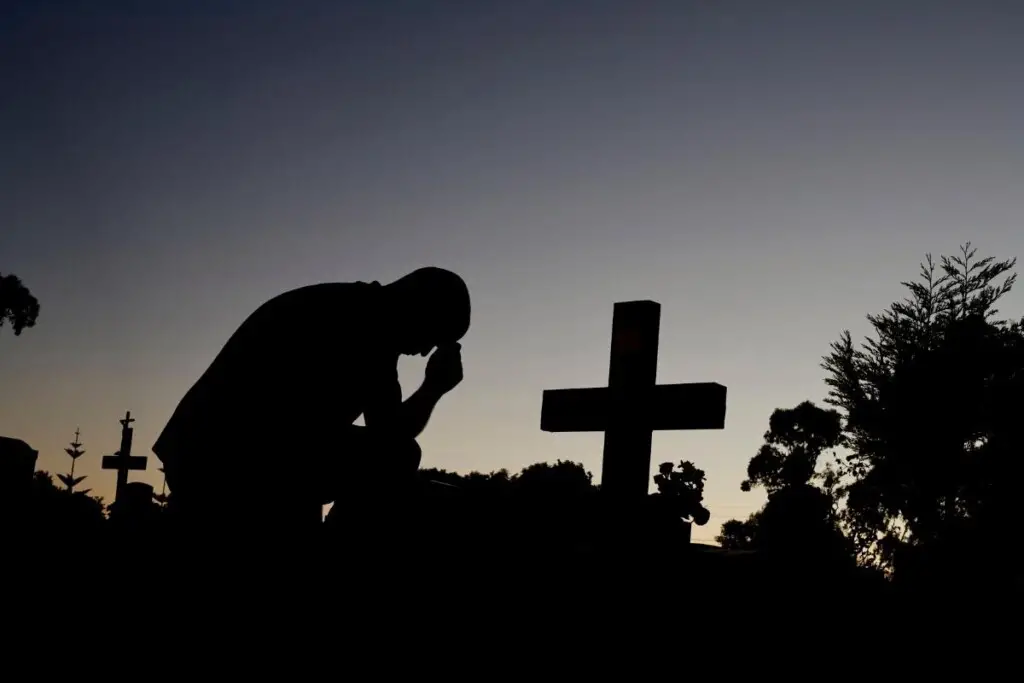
[{"x": 301, "y": 356}]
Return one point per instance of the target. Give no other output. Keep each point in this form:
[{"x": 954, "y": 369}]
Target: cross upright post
[
  {"x": 123, "y": 460},
  {"x": 633, "y": 406}
]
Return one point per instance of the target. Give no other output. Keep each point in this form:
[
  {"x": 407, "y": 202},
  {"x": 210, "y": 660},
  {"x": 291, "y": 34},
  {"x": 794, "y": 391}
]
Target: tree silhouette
[
  {"x": 65, "y": 513},
  {"x": 17, "y": 305},
  {"x": 931, "y": 404},
  {"x": 473, "y": 484},
  {"x": 563, "y": 480},
  {"x": 552, "y": 505},
  {"x": 543, "y": 506},
  {"x": 737, "y": 534},
  {"x": 800, "y": 517},
  {"x": 795, "y": 440}
]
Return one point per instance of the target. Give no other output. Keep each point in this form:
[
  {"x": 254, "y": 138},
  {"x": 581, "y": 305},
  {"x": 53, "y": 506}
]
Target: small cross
[
  {"x": 123, "y": 460},
  {"x": 633, "y": 406}
]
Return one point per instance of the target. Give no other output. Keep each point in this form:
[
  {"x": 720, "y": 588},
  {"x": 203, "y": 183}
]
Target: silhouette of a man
[{"x": 266, "y": 437}]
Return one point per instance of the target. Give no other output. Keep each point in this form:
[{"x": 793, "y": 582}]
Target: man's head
[{"x": 430, "y": 307}]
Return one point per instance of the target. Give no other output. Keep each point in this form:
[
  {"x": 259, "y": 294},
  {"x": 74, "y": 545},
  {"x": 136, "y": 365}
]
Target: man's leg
[
  {"x": 366, "y": 462},
  {"x": 214, "y": 503},
  {"x": 370, "y": 475}
]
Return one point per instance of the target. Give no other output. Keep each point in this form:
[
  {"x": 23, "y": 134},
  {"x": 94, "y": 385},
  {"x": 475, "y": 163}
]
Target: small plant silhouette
[
  {"x": 74, "y": 451},
  {"x": 683, "y": 488},
  {"x": 162, "y": 497}
]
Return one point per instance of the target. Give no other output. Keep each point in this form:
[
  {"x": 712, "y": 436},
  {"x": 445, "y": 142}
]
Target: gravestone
[
  {"x": 135, "y": 506},
  {"x": 123, "y": 460},
  {"x": 17, "y": 468},
  {"x": 632, "y": 407}
]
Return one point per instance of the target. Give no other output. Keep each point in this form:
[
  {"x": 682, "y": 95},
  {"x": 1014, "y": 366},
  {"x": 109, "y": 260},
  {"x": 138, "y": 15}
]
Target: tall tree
[
  {"x": 17, "y": 305},
  {"x": 800, "y": 516},
  {"x": 795, "y": 441},
  {"x": 931, "y": 404}
]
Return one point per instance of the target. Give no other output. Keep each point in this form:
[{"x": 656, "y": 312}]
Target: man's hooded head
[{"x": 430, "y": 307}]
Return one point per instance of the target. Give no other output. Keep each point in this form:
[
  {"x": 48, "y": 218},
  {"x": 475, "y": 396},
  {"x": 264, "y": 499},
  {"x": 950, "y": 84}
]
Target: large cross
[
  {"x": 123, "y": 460},
  {"x": 632, "y": 406}
]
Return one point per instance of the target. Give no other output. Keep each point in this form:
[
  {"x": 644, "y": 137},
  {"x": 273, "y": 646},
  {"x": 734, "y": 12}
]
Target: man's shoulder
[
  {"x": 332, "y": 298},
  {"x": 325, "y": 296},
  {"x": 340, "y": 315},
  {"x": 320, "y": 290}
]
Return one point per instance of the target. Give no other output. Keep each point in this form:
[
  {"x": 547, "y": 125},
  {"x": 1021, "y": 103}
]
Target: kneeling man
[{"x": 266, "y": 437}]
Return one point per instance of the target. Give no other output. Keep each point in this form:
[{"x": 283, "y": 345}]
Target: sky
[{"x": 768, "y": 172}]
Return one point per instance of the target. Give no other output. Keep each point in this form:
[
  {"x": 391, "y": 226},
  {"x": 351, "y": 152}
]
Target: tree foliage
[
  {"x": 17, "y": 304},
  {"x": 931, "y": 404},
  {"x": 562, "y": 480},
  {"x": 60, "y": 510},
  {"x": 926, "y": 411},
  {"x": 800, "y": 516},
  {"x": 739, "y": 534},
  {"x": 542, "y": 480},
  {"x": 544, "y": 505},
  {"x": 795, "y": 440}
]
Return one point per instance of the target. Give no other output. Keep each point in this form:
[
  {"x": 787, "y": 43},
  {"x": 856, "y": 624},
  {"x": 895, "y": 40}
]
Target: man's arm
[
  {"x": 387, "y": 411},
  {"x": 406, "y": 419}
]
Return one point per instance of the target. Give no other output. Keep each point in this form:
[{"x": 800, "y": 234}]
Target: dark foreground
[{"x": 483, "y": 564}]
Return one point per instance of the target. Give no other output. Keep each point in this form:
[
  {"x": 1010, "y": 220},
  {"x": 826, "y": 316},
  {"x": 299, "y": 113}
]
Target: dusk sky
[{"x": 768, "y": 171}]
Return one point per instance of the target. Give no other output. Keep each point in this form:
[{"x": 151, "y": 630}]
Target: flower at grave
[
  {"x": 683, "y": 490},
  {"x": 162, "y": 497}
]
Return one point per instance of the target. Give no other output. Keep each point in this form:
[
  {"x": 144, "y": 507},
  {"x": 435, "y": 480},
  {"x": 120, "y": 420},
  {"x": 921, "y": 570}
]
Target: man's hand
[{"x": 444, "y": 369}]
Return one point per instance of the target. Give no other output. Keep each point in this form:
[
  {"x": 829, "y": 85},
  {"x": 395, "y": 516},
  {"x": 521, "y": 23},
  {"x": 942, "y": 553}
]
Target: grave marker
[
  {"x": 633, "y": 406},
  {"x": 123, "y": 460}
]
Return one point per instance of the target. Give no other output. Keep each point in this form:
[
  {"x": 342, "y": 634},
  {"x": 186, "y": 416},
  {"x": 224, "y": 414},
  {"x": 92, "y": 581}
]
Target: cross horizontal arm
[
  {"x": 658, "y": 408},
  {"x": 120, "y": 462}
]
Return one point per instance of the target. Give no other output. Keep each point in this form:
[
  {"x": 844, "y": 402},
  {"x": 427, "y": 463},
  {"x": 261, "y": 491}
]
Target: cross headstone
[
  {"x": 633, "y": 406},
  {"x": 135, "y": 506},
  {"x": 123, "y": 460}
]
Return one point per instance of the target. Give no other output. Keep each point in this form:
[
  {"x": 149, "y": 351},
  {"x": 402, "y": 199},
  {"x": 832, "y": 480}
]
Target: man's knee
[
  {"x": 367, "y": 459},
  {"x": 408, "y": 453},
  {"x": 395, "y": 456},
  {"x": 384, "y": 449}
]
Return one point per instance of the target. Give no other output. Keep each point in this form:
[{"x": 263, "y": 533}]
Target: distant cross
[
  {"x": 123, "y": 460},
  {"x": 632, "y": 406}
]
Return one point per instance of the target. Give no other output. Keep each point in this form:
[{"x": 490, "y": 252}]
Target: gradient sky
[{"x": 768, "y": 171}]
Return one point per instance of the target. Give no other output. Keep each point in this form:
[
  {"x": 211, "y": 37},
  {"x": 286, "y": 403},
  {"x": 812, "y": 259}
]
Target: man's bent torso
[{"x": 298, "y": 367}]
